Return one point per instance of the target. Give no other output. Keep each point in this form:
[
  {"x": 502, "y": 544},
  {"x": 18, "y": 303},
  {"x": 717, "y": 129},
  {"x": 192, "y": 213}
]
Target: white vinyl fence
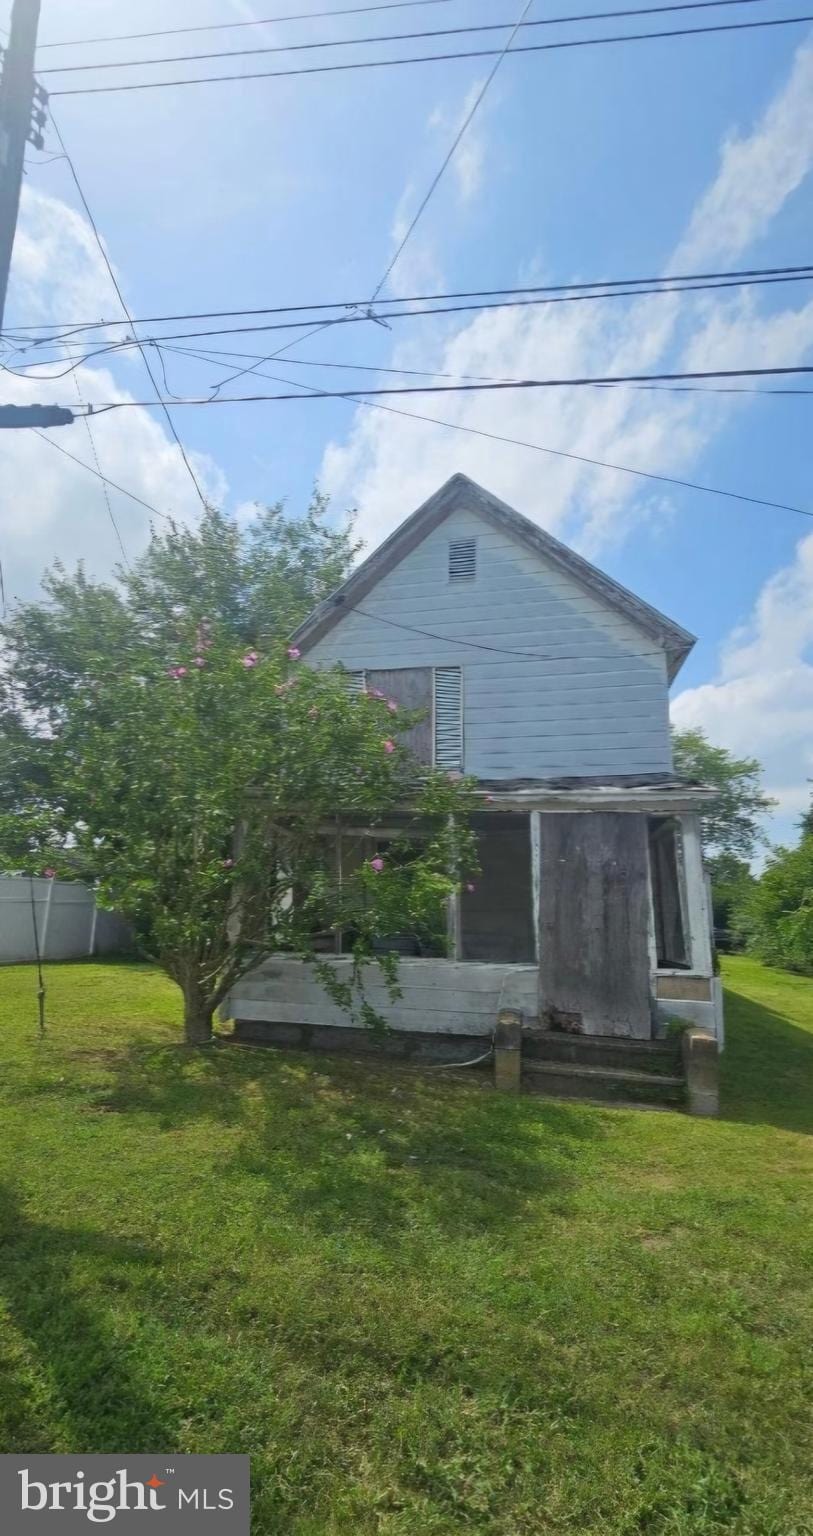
[{"x": 69, "y": 925}]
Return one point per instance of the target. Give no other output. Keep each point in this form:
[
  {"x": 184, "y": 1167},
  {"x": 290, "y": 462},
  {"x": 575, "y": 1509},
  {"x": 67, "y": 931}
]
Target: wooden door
[{"x": 594, "y": 923}]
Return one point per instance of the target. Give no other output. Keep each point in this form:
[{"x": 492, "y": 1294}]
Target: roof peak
[{"x": 676, "y": 641}]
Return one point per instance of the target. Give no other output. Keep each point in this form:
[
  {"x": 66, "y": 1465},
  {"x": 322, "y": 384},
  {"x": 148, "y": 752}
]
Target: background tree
[
  {"x": 776, "y": 915},
  {"x": 731, "y": 884},
  {"x": 144, "y": 730},
  {"x": 733, "y": 825}
]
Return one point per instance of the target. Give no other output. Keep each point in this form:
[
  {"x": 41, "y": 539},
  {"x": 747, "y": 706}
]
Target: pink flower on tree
[
  {"x": 176, "y": 671},
  {"x": 377, "y": 864},
  {"x": 389, "y": 745},
  {"x": 200, "y": 661},
  {"x": 392, "y": 706},
  {"x": 294, "y": 653},
  {"x": 227, "y": 863},
  {"x": 250, "y": 660},
  {"x": 49, "y": 874},
  {"x": 375, "y": 693},
  {"x": 471, "y": 888}
]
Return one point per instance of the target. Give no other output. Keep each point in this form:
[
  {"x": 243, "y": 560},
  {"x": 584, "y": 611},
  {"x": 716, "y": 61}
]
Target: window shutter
[
  {"x": 462, "y": 559},
  {"x": 448, "y": 717}
]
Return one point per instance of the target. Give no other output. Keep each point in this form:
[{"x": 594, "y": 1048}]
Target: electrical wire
[
  {"x": 68, "y": 327},
  {"x": 105, "y": 490},
  {"x": 199, "y": 354},
  {"x": 114, "y": 280},
  {"x": 412, "y": 314},
  {"x": 400, "y": 37},
  {"x": 230, "y": 26},
  {"x": 561, "y": 453},
  {"x": 455, "y": 389},
  {"x": 432, "y": 58},
  {"x": 477, "y": 645},
  {"x": 448, "y": 157},
  {"x": 97, "y": 472}
]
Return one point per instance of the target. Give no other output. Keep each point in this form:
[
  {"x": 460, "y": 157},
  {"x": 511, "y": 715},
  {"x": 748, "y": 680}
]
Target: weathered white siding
[
  {"x": 439, "y": 996},
  {"x": 600, "y": 708}
]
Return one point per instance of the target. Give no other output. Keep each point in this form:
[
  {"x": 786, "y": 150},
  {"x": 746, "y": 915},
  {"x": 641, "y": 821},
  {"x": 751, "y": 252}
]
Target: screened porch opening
[
  {"x": 497, "y": 917},
  {"x": 668, "y": 893}
]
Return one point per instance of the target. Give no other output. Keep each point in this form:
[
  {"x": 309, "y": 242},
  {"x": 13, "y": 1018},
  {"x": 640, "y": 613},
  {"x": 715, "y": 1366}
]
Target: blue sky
[{"x": 645, "y": 158}]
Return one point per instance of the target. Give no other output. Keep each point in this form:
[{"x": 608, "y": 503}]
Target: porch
[{"x": 590, "y": 917}]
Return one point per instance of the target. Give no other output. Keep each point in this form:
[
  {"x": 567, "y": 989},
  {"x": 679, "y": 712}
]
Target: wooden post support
[
  {"x": 701, "y": 1062},
  {"x": 508, "y": 1051}
]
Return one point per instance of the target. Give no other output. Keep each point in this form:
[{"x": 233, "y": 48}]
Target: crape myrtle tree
[{"x": 168, "y": 742}]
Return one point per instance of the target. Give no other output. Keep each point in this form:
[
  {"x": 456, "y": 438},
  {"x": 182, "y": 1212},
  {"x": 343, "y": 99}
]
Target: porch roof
[{"x": 657, "y": 792}]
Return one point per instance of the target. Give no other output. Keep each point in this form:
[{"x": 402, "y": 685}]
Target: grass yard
[{"x": 423, "y": 1309}]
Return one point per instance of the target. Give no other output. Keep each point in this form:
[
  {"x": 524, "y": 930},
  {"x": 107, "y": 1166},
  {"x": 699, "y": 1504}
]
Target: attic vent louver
[
  {"x": 462, "y": 559},
  {"x": 355, "y": 682},
  {"x": 448, "y": 717}
]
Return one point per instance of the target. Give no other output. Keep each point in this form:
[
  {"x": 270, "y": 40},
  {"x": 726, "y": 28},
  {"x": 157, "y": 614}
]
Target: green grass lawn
[{"x": 420, "y": 1307}]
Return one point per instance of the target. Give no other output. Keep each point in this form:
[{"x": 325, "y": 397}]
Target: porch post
[
  {"x": 338, "y": 932},
  {"x": 536, "y": 876},
  {"x": 454, "y": 930},
  {"x": 697, "y": 910}
]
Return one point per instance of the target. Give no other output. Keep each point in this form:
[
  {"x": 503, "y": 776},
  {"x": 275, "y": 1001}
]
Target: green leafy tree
[
  {"x": 776, "y": 916},
  {"x": 731, "y": 883},
  {"x": 163, "y": 738},
  {"x": 203, "y": 791},
  {"x": 733, "y": 824}
]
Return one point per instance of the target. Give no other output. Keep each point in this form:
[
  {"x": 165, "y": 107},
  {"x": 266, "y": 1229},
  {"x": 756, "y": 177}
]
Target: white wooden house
[{"x": 548, "y": 682}]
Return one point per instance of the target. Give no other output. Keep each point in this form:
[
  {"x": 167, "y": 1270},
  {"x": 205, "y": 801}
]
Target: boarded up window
[
  {"x": 410, "y": 688},
  {"x": 448, "y": 718},
  {"x": 666, "y": 865},
  {"x": 593, "y": 920}
]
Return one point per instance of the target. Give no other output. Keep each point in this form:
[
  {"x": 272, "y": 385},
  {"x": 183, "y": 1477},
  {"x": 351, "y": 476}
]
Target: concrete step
[
  {"x": 602, "y": 1051},
  {"x": 608, "y": 1085}
]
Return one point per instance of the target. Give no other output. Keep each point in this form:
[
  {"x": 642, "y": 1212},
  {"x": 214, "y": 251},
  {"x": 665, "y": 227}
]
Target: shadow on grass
[
  {"x": 766, "y": 1067},
  {"x": 350, "y": 1143},
  {"x": 93, "y": 1379}
]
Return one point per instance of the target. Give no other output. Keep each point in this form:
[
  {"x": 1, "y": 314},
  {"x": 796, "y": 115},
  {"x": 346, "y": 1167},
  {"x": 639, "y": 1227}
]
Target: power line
[
  {"x": 202, "y": 355},
  {"x": 230, "y": 26},
  {"x": 432, "y": 58},
  {"x": 413, "y": 314},
  {"x": 105, "y": 491},
  {"x": 400, "y": 37},
  {"x": 114, "y": 280},
  {"x": 456, "y": 389},
  {"x": 579, "y": 458},
  {"x": 99, "y": 475},
  {"x": 804, "y": 269},
  {"x": 449, "y": 156},
  {"x": 477, "y": 645}
]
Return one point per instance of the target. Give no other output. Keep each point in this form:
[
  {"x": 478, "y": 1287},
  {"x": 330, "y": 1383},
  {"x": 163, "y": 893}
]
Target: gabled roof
[{"x": 459, "y": 492}]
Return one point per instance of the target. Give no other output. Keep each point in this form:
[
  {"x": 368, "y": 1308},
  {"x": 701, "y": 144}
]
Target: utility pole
[{"x": 20, "y": 119}]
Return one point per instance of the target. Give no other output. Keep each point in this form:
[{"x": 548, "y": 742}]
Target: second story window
[{"x": 462, "y": 560}]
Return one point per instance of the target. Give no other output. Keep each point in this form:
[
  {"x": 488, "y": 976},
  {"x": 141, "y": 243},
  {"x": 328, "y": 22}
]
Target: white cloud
[
  {"x": 761, "y": 702},
  {"x": 386, "y": 464},
  {"x": 52, "y": 508},
  {"x": 758, "y": 172},
  {"x": 468, "y": 162}
]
